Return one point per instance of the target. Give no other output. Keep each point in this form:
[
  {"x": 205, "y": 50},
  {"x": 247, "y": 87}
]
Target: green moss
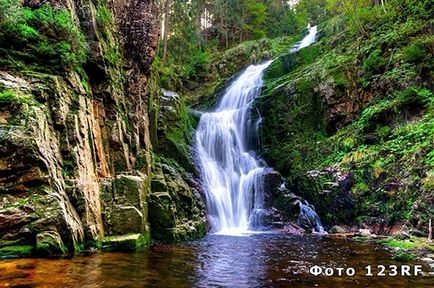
[
  {"x": 10, "y": 96},
  {"x": 409, "y": 244},
  {"x": 414, "y": 54},
  {"x": 44, "y": 38},
  {"x": 129, "y": 242},
  {"x": 16, "y": 251},
  {"x": 404, "y": 256},
  {"x": 356, "y": 104}
]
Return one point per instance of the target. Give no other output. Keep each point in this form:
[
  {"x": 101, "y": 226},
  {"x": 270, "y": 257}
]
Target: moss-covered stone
[
  {"x": 125, "y": 207},
  {"x": 176, "y": 210},
  {"x": 16, "y": 251},
  {"x": 49, "y": 243},
  {"x": 128, "y": 242}
]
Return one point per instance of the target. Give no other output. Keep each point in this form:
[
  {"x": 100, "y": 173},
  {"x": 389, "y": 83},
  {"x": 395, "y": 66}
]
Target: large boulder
[
  {"x": 125, "y": 206},
  {"x": 176, "y": 210}
]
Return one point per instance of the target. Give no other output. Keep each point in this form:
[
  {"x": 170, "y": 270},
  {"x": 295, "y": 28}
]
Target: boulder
[
  {"x": 176, "y": 209},
  {"x": 337, "y": 230},
  {"x": 125, "y": 206},
  {"x": 128, "y": 242},
  {"x": 49, "y": 243}
]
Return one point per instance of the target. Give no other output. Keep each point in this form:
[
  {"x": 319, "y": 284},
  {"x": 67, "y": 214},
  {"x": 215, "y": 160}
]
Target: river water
[{"x": 259, "y": 260}]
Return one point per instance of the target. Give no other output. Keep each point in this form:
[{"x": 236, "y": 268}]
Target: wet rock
[
  {"x": 49, "y": 243},
  {"x": 129, "y": 242},
  {"x": 329, "y": 191},
  {"x": 174, "y": 129},
  {"x": 272, "y": 183},
  {"x": 273, "y": 218},
  {"x": 15, "y": 275},
  {"x": 26, "y": 266},
  {"x": 308, "y": 219},
  {"x": 337, "y": 230},
  {"x": 365, "y": 232},
  {"x": 176, "y": 210},
  {"x": 124, "y": 219},
  {"x": 125, "y": 207}
]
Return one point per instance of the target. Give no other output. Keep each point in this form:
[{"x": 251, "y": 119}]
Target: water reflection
[
  {"x": 235, "y": 258},
  {"x": 259, "y": 260}
]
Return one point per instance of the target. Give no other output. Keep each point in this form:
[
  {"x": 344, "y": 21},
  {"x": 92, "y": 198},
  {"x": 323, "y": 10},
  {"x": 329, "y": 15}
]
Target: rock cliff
[{"x": 76, "y": 156}]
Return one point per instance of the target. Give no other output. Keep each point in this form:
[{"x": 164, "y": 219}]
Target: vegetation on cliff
[
  {"x": 42, "y": 39},
  {"x": 349, "y": 121}
]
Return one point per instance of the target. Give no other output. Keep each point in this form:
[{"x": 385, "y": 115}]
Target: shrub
[
  {"x": 375, "y": 63},
  {"x": 414, "y": 54}
]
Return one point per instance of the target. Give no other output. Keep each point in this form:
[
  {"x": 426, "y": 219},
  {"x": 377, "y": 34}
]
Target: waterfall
[{"x": 231, "y": 174}]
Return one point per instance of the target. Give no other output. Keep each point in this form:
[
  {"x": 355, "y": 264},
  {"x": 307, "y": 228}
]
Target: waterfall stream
[{"x": 231, "y": 173}]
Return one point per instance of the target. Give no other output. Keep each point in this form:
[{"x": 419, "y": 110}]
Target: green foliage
[
  {"x": 404, "y": 256},
  {"x": 375, "y": 63},
  {"x": 257, "y": 12},
  {"x": 414, "y": 54},
  {"x": 10, "y": 96},
  {"x": 360, "y": 100},
  {"x": 16, "y": 251},
  {"x": 42, "y": 37},
  {"x": 198, "y": 66}
]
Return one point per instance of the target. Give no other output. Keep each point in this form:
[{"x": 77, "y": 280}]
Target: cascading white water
[{"x": 231, "y": 174}]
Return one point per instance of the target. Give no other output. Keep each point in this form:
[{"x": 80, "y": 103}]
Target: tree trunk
[
  {"x": 382, "y": 4},
  {"x": 226, "y": 26},
  {"x": 430, "y": 231},
  {"x": 166, "y": 29}
]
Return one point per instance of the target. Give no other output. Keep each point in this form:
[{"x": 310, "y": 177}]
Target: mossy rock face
[
  {"x": 176, "y": 210},
  {"x": 281, "y": 66},
  {"x": 175, "y": 129},
  {"x": 188, "y": 231},
  {"x": 16, "y": 251},
  {"x": 338, "y": 107},
  {"x": 125, "y": 207},
  {"x": 49, "y": 243},
  {"x": 127, "y": 242},
  {"x": 74, "y": 122}
]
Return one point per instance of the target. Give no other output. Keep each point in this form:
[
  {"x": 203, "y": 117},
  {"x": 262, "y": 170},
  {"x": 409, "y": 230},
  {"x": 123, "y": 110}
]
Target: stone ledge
[{"x": 127, "y": 242}]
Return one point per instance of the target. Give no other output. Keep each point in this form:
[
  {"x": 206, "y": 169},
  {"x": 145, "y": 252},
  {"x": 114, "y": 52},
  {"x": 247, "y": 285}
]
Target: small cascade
[
  {"x": 308, "y": 40},
  {"x": 232, "y": 175}
]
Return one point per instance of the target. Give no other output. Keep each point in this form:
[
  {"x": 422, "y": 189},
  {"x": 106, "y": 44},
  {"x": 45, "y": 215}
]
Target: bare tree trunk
[
  {"x": 242, "y": 26},
  {"x": 166, "y": 29},
  {"x": 430, "y": 231},
  {"x": 226, "y": 26},
  {"x": 382, "y": 4}
]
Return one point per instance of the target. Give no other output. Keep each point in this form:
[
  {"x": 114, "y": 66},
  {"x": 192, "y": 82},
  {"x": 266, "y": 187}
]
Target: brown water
[{"x": 260, "y": 260}]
